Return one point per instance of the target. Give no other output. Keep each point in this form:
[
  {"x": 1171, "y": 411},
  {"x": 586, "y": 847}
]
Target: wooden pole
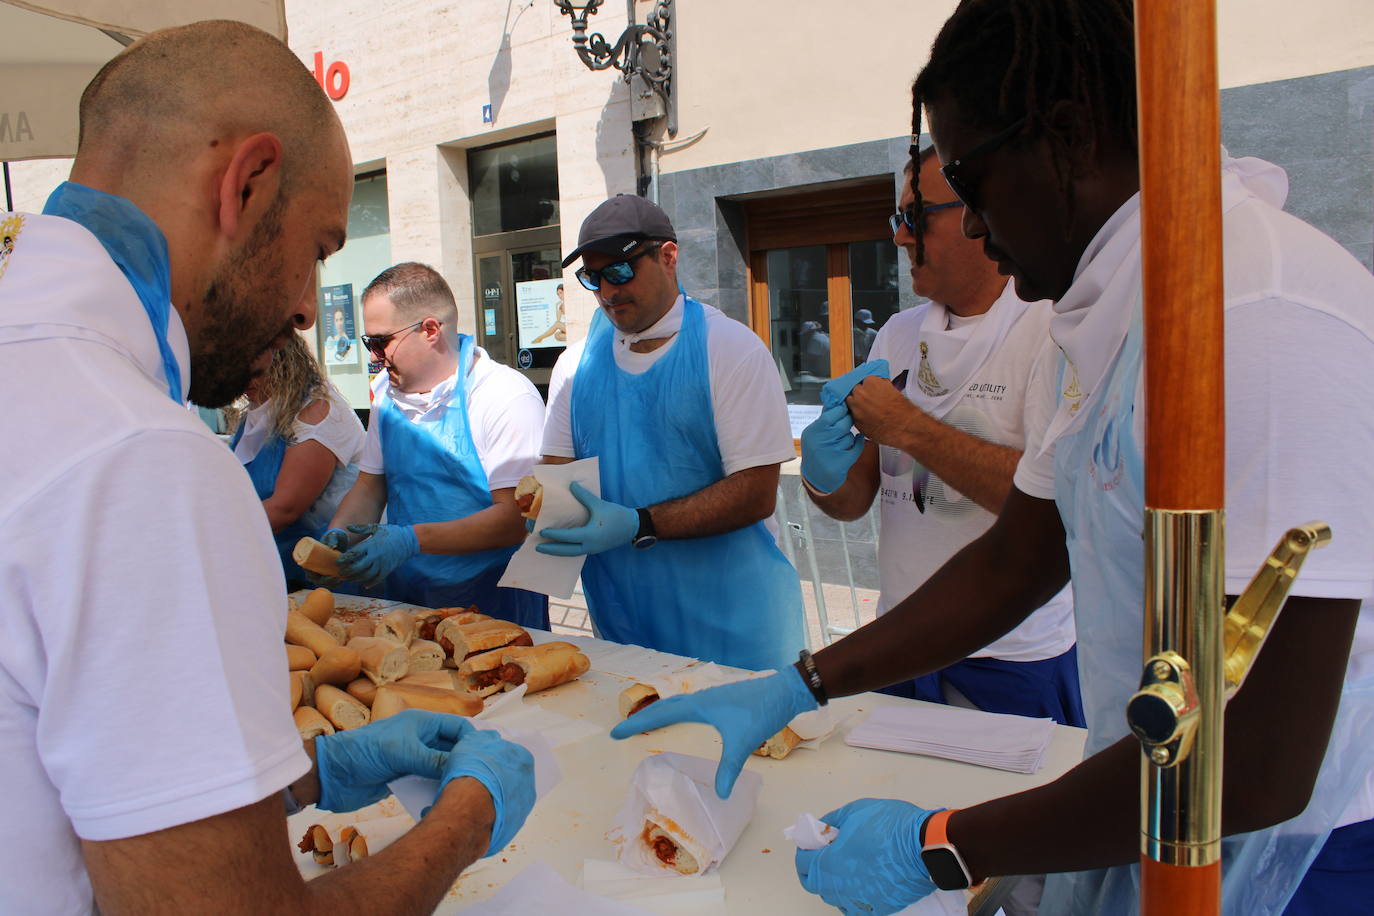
[{"x": 1180, "y": 165}]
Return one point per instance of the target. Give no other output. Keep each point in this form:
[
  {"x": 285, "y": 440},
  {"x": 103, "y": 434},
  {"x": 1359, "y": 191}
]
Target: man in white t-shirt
[
  {"x": 144, "y": 710},
  {"x": 452, "y": 432},
  {"x": 684, "y": 409},
  {"x": 940, "y": 454}
]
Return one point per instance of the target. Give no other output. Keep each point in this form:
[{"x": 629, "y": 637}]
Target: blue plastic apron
[
  {"x": 1100, "y": 492},
  {"x": 433, "y": 474},
  {"x": 139, "y": 250},
  {"x": 730, "y": 598},
  {"x": 263, "y": 470}
]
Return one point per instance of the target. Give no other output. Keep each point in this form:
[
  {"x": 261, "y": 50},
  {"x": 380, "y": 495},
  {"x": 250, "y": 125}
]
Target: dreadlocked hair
[
  {"x": 1000, "y": 61},
  {"x": 293, "y": 381}
]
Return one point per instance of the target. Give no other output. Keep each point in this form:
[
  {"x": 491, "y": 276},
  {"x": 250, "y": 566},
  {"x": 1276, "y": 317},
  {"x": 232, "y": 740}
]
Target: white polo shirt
[{"x": 142, "y": 675}]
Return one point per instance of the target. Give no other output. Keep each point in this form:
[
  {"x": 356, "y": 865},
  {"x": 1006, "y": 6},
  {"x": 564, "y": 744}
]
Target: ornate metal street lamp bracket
[{"x": 643, "y": 53}]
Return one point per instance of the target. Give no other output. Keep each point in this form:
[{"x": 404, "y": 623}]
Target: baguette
[
  {"x": 338, "y": 666},
  {"x": 339, "y": 708},
  {"x": 362, "y": 627},
  {"x": 299, "y": 658},
  {"x": 315, "y": 557},
  {"x": 317, "y": 842},
  {"x": 424, "y": 655},
  {"x": 780, "y": 745},
  {"x": 448, "y": 625},
  {"x": 296, "y": 689},
  {"x": 395, "y": 698},
  {"x": 307, "y": 687},
  {"x": 481, "y": 673},
  {"x": 336, "y": 628},
  {"x": 444, "y": 679},
  {"x": 382, "y": 660},
  {"x": 397, "y": 626},
  {"x": 302, "y": 631},
  {"x": 636, "y": 697},
  {"x": 426, "y": 621},
  {"x": 463, "y": 640},
  {"x": 362, "y": 690},
  {"x": 310, "y": 723},
  {"x": 318, "y": 605},
  {"x": 529, "y": 497},
  {"x": 541, "y": 667}
]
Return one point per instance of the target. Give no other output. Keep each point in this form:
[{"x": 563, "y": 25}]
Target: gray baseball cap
[{"x": 619, "y": 224}]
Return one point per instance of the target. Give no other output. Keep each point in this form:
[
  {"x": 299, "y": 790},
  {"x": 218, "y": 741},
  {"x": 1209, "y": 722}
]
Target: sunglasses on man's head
[
  {"x": 617, "y": 274},
  {"x": 907, "y": 215},
  {"x": 376, "y": 345},
  {"x": 959, "y": 182}
]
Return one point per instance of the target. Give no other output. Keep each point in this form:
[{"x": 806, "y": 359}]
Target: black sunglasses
[
  {"x": 907, "y": 216},
  {"x": 617, "y": 274},
  {"x": 961, "y": 185},
  {"x": 376, "y": 345}
]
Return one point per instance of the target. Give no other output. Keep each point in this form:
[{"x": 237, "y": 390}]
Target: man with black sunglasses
[
  {"x": 685, "y": 410},
  {"x": 451, "y": 434}
]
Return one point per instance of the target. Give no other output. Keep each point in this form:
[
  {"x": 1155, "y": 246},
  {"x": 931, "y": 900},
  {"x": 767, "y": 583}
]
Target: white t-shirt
[
  {"x": 142, "y": 674},
  {"x": 913, "y": 545},
  {"x": 505, "y": 415},
  {"x": 750, "y": 408},
  {"x": 1299, "y": 421},
  {"x": 340, "y": 431}
]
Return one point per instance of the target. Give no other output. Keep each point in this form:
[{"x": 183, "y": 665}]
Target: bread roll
[
  {"x": 397, "y": 626},
  {"x": 383, "y": 661},
  {"x": 337, "y": 666},
  {"x": 302, "y": 631},
  {"x": 315, "y": 557},
  {"x": 481, "y": 673},
  {"x": 444, "y": 627},
  {"x": 668, "y": 851},
  {"x": 543, "y": 666},
  {"x": 444, "y": 679},
  {"x": 469, "y": 638},
  {"x": 424, "y": 655},
  {"x": 310, "y": 723},
  {"x": 299, "y": 658},
  {"x": 307, "y": 687},
  {"x": 529, "y": 497},
  {"x": 295, "y": 692},
  {"x": 636, "y": 697},
  {"x": 362, "y": 690},
  {"x": 355, "y": 841},
  {"x": 394, "y": 698},
  {"x": 318, "y": 605},
  {"x": 339, "y": 708},
  {"x": 780, "y": 745},
  {"x": 362, "y": 627},
  {"x": 317, "y": 842},
  {"x": 426, "y": 621},
  {"x": 336, "y": 628}
]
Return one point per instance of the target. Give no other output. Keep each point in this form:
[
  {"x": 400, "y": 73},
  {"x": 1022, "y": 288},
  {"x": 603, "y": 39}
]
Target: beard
[{"x": 242, "y": 315}]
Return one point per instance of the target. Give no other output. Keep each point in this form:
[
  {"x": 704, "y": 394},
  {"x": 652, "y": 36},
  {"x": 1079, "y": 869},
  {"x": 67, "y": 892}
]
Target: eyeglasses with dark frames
[
  {"x": 377, "y": 344},
  {"x": 617, "y": 274},
  {"x": 907, "y": 215},
  {"x": 963, "y": 187}
]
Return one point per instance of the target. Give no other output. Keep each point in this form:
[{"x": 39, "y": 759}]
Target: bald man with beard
[{"x": 149, "y": 749}]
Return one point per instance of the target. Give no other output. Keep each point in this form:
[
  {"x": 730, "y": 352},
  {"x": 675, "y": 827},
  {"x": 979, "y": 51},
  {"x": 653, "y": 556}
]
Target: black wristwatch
[
  {"x": 943, "y": 862},
  {"x": 645, "y": 537}
]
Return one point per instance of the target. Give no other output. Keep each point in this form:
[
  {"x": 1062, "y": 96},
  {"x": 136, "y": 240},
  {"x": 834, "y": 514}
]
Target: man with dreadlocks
[{"x": 1031, "y": 105}]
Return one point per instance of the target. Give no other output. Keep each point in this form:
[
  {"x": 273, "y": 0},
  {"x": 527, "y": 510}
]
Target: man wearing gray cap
[{"x": 685, "y": 410}]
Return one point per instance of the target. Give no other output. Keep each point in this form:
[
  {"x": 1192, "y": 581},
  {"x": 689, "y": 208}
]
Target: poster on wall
[
  {"x": 338, "y": 326},
  {"x": 539, "y": 307}
]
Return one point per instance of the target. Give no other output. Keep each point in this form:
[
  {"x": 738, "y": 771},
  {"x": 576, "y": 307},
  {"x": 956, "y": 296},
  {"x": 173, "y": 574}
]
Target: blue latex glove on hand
[
  {"x": 611, "y": 525},
  {"x": 504, "y": 768},
  {"x": 337, "y": 539},
  {"x": 829, "y": 449},
  {"x": 354, "y": 766},
  {"x": 874, "y": 866},
  {"x": 836, "y": 390},
  {"x": 383, "y": 549},
  {"x": 746, "y": 713}
]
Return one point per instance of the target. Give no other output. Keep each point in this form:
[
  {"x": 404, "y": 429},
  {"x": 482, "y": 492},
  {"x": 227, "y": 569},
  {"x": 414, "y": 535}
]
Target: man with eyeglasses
[
  {"x": 685, "y": 410},
  {"x": 451, "y": 434},
  {"x": 939, "y": 449}
]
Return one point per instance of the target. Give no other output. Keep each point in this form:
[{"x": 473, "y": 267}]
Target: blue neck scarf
[{"x": 138, "y": 247}]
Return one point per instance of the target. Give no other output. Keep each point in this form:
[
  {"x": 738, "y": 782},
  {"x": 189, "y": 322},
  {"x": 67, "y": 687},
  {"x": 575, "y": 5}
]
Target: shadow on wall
[
  {"x": 498, "y": 78},
  {"x": 615, "y": 140}
]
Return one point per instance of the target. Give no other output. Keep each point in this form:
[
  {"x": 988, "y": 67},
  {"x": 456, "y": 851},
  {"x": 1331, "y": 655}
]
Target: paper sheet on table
[
  {"x": 1003, "y": 742},
  {"x": 509, "y": 710},
  {"x": 677, "y": 793},
  {"x": 540, "y": 889},
  {"x": 700, "y": 895},
  {"x": 416, "y": 793},
  {"x": 635, "y": 662},
  {"x": 810, "y": 832},
  {"x": 537, "y": 572}
]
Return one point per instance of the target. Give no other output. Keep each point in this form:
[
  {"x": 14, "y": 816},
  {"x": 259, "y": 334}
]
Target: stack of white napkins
[{"x": 988, "y": 739}]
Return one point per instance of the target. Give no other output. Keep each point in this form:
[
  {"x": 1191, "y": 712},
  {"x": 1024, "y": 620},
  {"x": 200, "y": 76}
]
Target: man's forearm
[
  {"x": 361, "y": 505},
  {"x": 978, "y": 469},
  {"x": 498, "y": 525},
  {"x": 731, "y": 503},
  {"x": 855, "y": 496}
]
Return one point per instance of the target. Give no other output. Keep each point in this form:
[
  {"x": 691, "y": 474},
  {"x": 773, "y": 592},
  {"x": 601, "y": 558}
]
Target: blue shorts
[
  {"x": 1341, "y": 877},
  {"x": 1046, "y": 689}
]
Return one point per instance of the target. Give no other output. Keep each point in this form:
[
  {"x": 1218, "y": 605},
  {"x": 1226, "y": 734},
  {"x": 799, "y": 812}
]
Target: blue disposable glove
[
  {"x": 383, "y": 548},
  {"x": 354, "y": 766},
  {"x": 874, "y": 866},
  {"x": 611, "y": 525},
  {"x": 337, "y": 539},
  {"x": 504, "y": 768},
  {"x": 746, "y": 713},
  {"x": 829, "y": 449},
  {"x": 837, "y": 389}
]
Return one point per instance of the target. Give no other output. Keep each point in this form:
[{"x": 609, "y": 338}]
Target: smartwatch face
[{"x": 945, "y": 868}]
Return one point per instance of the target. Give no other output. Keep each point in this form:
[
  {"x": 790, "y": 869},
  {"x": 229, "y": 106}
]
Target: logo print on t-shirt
[
  {"x": 1073, "y": 392},
  {"x": 9, "y": 234},
  {"x": 925, "y": 376}
]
